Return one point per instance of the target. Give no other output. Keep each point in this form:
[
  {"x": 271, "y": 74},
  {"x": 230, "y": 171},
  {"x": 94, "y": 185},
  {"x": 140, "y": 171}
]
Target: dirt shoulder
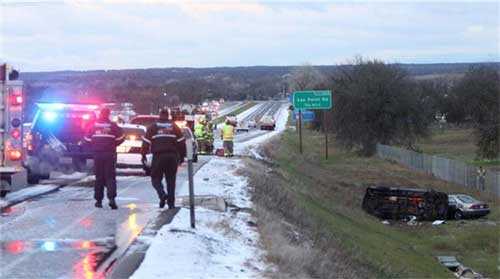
[{"x": 321, "y": 200}]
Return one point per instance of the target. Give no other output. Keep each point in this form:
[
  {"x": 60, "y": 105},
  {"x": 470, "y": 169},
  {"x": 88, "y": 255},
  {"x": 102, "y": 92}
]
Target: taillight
[
  {"x": 86, "y": 117},
  {"x": 16, "y": 97},
  {"x": 15, "y": 155},
  {"x": 15, "y": 133}
]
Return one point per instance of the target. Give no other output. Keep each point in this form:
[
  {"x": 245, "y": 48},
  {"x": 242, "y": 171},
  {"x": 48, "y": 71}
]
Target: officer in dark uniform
[
  {"x": 166, "y": 141},
  {"x": 104, "y": 137}
]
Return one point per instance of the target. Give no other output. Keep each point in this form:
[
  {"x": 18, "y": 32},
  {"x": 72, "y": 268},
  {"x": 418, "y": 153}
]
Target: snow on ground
[
  {"x": 249, "y": 111},
  {"x": 74, "y": 175},
  {"x": 26, "y": 193},
  {"x": 230, "y": 108},
  {"x": 223, "y": 245},
  {"x": 249, "y": 147}
]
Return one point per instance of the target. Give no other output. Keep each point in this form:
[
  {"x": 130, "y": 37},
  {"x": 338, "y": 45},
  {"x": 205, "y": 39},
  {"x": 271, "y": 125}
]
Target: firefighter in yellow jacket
[{"x": 227, "y": 136}]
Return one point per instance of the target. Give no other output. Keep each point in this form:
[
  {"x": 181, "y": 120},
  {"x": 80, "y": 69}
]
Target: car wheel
[
  {"x": 3, "y": 193},
  {"x": 459, "y": 215}
]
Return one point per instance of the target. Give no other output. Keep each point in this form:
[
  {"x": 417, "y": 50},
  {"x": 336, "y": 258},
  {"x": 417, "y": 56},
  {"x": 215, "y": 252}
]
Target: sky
[{"x": 123, "y": 34}]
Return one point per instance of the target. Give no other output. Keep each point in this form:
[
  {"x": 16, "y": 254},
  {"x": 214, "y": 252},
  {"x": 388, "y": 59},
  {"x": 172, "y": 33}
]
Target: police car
[{"x": 55, "y": 140}]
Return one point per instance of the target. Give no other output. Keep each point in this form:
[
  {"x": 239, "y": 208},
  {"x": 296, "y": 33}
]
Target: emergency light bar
[{"x": 62, "y": 106}]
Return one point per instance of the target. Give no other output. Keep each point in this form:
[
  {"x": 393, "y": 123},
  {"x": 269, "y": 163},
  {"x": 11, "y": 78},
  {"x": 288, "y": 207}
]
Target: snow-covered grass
[{"x": 223, "y": 245}]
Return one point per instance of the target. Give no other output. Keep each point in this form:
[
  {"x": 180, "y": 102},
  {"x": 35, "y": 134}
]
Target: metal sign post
[
  {"x": 189, "y": 153},
  {"x": 326, "y": 134},
  {"x": 300, "y": 131}
]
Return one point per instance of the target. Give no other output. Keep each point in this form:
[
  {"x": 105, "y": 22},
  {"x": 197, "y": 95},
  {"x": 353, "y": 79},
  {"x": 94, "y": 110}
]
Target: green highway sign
[{"x": 312, "y": 99}]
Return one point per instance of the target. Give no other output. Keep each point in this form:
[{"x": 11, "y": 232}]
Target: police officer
[
  {"x": 104, "y": 137},
  {"x": 166, "y": 141}
]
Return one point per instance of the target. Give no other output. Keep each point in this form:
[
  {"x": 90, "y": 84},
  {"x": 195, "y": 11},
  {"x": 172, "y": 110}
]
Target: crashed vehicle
[
  {"x": 464, "y": 206},
  {"x": 400, "y": 203}
]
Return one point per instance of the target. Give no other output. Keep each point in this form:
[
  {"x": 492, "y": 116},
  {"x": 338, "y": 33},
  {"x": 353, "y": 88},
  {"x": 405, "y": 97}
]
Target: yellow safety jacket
[
  {"x": 199, "y": 131},
  {"x": 227, "y": 132}
]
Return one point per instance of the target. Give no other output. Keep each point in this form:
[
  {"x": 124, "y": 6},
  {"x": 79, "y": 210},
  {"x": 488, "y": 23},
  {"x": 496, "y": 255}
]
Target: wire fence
[{"x": 446, "y": 169}]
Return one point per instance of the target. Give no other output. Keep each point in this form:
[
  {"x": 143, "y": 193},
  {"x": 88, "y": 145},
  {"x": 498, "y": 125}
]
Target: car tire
[
  {"x": 458, "y": 215},
  {"x": 3, "y": 193}
]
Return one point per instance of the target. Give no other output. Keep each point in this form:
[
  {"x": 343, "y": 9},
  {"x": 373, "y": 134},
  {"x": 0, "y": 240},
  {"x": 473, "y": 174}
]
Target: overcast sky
[{"x": 81, "y": 35}]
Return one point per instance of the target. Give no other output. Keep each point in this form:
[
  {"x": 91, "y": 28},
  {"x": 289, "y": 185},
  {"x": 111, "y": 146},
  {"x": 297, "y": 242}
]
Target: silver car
[{"x": 464, "y": 206}]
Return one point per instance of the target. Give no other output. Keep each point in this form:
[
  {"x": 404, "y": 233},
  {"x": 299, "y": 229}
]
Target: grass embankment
[
  {"x": 237, "y": 111},
  {"x": 329, "y": 195},
  {"x": 454, "y": 143}
]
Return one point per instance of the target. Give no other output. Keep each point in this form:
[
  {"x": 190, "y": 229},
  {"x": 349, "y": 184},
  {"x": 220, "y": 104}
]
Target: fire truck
[{"x": 13, "y": 175}]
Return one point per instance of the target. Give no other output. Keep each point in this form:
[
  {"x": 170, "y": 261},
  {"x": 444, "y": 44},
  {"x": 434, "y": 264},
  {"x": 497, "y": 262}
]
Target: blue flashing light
[
  {"x": 49, "y": 246},
  {"x": 49, "y": 116}
]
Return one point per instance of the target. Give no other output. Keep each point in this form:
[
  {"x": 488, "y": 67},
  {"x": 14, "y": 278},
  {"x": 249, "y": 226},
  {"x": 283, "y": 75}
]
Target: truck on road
[{"x": 13, "y": 175}]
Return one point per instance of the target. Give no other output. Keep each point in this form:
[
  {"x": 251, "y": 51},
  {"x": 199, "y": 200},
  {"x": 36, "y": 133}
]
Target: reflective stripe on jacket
[
  {"x": 164, "y": 137},
  {"x": 227, "y": 132},
  {"x": 105, "y": 136}
]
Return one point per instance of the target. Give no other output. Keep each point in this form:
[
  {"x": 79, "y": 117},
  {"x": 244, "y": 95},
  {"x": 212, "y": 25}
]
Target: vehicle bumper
[{"x": 476, "y": 213}]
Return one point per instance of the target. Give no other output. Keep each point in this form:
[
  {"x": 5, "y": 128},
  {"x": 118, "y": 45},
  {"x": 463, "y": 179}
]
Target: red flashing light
[
  {"x": 86, "y": 117},
  {"x": 15, "y": 155},
  {"x": 15, "y": 247},
  {"x": 15, "y": 133},
  {"x": 16, "y": 98}
]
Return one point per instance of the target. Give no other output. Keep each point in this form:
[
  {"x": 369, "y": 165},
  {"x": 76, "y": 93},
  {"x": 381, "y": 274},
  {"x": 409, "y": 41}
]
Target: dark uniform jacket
[
  {"x": 105, "y": 136},
  {"x": 163, "y": 137}
]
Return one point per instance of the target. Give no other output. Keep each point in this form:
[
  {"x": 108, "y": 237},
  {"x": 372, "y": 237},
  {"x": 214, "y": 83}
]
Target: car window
[
  {"x": 144, "y": 121},
  {"x": 466, "y": 199}
]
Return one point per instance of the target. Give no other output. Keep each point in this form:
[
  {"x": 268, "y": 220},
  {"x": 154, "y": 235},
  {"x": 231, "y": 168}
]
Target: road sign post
[
  {"x": 300, "y": 131},
  {"x": 190, "y": 155},
  {"x": 312, "y": 99}
]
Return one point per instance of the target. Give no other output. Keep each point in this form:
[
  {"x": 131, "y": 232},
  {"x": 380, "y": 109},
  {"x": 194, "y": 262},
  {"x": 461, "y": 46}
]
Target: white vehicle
[
  {"x": 13, "y": 175},
  {"x": 242, "y": 127}
]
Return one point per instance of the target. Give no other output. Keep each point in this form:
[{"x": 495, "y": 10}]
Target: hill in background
[{"x": 145, "y": 87}]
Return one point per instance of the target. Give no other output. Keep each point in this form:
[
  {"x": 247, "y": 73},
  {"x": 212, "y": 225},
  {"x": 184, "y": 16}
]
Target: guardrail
[{"x": 446, "y": 169}]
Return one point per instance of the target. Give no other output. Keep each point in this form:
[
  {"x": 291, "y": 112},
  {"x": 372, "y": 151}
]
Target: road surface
[{"x": 62, "y": 234}]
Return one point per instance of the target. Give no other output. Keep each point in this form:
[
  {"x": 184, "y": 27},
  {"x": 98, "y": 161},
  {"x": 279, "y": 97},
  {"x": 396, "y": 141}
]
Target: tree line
[{"x": 376, "y": 102}]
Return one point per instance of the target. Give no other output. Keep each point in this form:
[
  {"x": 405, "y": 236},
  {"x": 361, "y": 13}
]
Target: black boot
[
  {"x": 98, "y": 204},
  {"x": 162, "y": 201},
  {"x": 112, "y": 204}
]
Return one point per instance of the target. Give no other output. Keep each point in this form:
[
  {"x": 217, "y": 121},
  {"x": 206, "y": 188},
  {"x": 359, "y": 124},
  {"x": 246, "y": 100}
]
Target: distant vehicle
[
  {"x": 133, "y": 138},
  {"x": 55, "y": 142},
  {"x": 267, "y": 123},
  {"x": 242, "y": 127},
  {"x": 145, "y": 120},
  {"x": 464, "y": 206},
  {"x": 13, "y": 175},
  {"x": 252, "y": 124},
  {"x": 399, "y": 203}
]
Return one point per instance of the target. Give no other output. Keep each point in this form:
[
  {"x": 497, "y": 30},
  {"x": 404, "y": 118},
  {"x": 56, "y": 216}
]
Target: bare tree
[{"x": 305, "y": 77}]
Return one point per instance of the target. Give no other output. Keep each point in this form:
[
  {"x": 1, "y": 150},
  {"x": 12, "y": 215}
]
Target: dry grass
[
  {"x": 324, "y": 198},
  {"x": 302, "y": 249}
]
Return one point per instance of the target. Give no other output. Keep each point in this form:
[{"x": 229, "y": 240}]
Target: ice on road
[{"x": 223, "y": 245}]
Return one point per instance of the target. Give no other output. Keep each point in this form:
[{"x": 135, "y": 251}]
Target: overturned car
[{"x": 399, "y": 203}]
